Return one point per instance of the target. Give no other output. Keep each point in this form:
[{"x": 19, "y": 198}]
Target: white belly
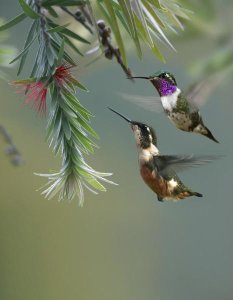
[{"x": 169, "y": 101}]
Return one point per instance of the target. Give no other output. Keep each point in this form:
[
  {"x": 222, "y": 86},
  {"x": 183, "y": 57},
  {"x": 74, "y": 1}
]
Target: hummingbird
[
  {"x": 159, "y": 171},
  {"x": 182, "y": 111}
]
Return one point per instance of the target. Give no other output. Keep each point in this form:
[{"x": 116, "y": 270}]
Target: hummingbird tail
[
  {"x": 210, "y": 135},
  {"x": 197, "y": 194}
]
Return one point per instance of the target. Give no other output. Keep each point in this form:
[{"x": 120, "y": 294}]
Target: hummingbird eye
[{"x": 169, "y": 77}]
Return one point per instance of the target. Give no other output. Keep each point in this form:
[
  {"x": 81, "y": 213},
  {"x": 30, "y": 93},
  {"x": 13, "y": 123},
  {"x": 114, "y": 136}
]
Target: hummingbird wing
[
  {"x": 151, "y": 103},
  {"x": 199, "y": 92},
  {"x": 179, "y": 163},
  {"x": 93, "y": 50}
]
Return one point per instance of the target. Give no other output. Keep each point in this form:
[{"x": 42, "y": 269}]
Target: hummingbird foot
[{"x": 160, "y": 199}]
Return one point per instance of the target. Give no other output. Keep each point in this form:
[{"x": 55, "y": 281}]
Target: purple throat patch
[{"x": 165, "y": 88}]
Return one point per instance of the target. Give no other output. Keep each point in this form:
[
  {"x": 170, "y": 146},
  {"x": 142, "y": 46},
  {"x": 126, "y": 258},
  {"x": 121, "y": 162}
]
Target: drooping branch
[
  {"x": 11, "y": 149},
  {"x": 83, "y": 16},
  {"x": 47, "y": 57},
  {"x": 109, "y": 50}
]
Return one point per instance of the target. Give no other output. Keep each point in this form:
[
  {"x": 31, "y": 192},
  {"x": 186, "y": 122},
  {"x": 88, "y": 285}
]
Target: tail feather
[
  {"x": 197, "y": 194},
  {"x": 210, "y": 135}
]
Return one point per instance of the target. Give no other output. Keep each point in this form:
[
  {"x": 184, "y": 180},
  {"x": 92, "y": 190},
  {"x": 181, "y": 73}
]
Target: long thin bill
[
  {"x": 135, "y": 77},
  {"x": 125, "y": 118}
]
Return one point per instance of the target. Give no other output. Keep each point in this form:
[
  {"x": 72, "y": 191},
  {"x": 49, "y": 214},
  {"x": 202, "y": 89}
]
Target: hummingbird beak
[
  {"x": 151, "y": 78},
  {"x": 141, "y": 77},
  {"x": 125, "y": 118}
]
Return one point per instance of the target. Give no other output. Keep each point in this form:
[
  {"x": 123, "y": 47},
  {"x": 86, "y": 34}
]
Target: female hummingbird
[
  {"x": 159, "y": 171},
  {"x": 183, "y": 112}
]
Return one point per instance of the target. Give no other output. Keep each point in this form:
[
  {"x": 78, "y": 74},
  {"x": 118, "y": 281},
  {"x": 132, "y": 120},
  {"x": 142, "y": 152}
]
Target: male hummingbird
[
  {"x": 159, "y": 171},
  {"x": 181, "y": 110}
]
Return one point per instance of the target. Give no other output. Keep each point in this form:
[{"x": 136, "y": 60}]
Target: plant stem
[{"x": 11, "y": 149}]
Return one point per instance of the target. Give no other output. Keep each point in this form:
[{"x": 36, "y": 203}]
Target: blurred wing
[
  {"x": 94, "y": 60},
  {"x": 199, "y": 92},
  {"x": 179, "y": 163},
  {"x": 93, "y": 50},
  {"x": 151, "y": 103}
]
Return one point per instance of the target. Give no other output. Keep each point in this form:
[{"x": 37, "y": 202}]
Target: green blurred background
[{"x": 123, "y": 244}]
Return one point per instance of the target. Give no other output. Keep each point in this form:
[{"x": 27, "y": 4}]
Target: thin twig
[
  {"x": 11, "y": 149},
  {"x": 45, "y": 51},
  {"x": 104, "y": 34},
  {"x": 80, "y": 19},
  {"x": 86, "y": 14},
  {"x": 42, "y": 21},
  {"x": 109, "y": 49}
]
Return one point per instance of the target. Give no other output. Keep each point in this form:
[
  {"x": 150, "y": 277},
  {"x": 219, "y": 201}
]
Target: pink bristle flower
[
  {"x": 36, "y": 93},
  {"x": 63, "y": 74}
]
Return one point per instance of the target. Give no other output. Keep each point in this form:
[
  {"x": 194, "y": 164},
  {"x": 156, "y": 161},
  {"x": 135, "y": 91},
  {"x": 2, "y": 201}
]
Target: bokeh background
[{"x": 123, "y": 244}]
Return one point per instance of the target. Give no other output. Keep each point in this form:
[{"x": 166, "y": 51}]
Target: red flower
[
  {"x": 36, "y": 93},
  {"x": 63, "y": 74}
]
